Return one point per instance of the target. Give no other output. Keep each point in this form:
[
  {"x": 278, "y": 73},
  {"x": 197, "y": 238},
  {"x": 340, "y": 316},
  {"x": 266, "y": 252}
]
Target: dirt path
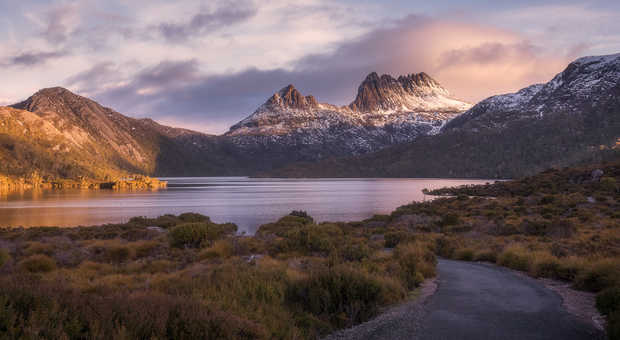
[{"x": 478, "y": 301}]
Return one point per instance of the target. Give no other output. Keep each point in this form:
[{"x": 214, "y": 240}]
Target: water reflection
[{"x": 244, "y": 201}]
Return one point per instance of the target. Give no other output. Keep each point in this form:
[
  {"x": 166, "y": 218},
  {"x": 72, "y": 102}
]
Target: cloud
[
  {"x": 472, "y": 61},
  {"x": 32, "y": 58},
  {"x": 61, "y": 20},
  {"x": 228, "y": 13}
]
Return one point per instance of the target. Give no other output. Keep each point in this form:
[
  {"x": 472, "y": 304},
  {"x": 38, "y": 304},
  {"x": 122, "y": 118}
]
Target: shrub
[
  {"x": 393, "y": 238},
  {"x": 144, "y": 248},
  {"x": 599, "y": 275},
  {"x": 302, "y": 214},
  {"x": 194, "y": 218},
  {"x": 545, "y": 265},
  {"x": 220, "y": 248},
  {"x": 343, "y": 296},
  {"x": 4, "y": 257},
  {"x": 450, "y": 219},
  {"x": 613, "y": 326},
  {"x": 466, "y": 254},
  {"x": 41, "y": 310},
  {"x": 354, "y": 251},
  {"x": 608, "y": 300},
  {"x": 37, "y": 264},
  {"x": 446, "y": 246},
  {"x": 118, "y": 254},
  {"x": 35, "y": 247},
  {"x": 416, "y": 263},
  {"x": 515, "y": 257},
  {"x": 486, "y": 255},
  {"x": 195, "y": 235}
]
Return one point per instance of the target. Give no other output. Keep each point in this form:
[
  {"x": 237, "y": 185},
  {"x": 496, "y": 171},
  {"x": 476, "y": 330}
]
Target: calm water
[{"x": 247, "y": 202}]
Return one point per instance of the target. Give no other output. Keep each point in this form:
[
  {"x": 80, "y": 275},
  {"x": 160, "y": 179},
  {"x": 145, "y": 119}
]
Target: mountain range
[
  {"x": 409, "y": 126},
  {"x": 573, "y": 118}
]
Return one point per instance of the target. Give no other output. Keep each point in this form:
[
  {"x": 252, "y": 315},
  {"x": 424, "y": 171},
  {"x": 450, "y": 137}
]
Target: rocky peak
[
  {"x": 290, "y": 98},
  {"x": 405, "y": 93}
]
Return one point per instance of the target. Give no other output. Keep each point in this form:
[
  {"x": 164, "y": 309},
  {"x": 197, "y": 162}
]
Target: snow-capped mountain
[
  {"x": 573, "y": 118},
  {"x": 386, "y": 111},
  {"x": 586, "y": 83}
]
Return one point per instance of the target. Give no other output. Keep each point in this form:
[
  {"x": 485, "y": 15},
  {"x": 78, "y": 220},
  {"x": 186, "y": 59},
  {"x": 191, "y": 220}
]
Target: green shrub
[
  {"x": 613, "y": 326},
  {"x": 466, "y": 254},
  {"x": 486, "y": 255},
  {"x": 608, "y": 300},
  {"x": 194, "y": 218},
  {"x": 446, "y": 246},
  {"x": 41, "y": 311},
  {"x": 118, "y": 253},
  {"x": 354, "y": 251},
  {"x": 546, "y": 265},
  {"x": 37, "y": 264},
  {"x": 393, "y": 238},
  {"x": 195, "y": 235},
  {"x": 302, "y": 214},
  {"x": 599, "y": 275},
  {"x": 4, "y": 257},
  {"x": 450, "y": 219},
  {"x": 416, "y": 262},
  {"x": 342, "y": 296},
  {"x": 516, "y": 258}
]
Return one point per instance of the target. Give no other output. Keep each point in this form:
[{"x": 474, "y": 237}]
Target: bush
[
  {"x": 302, "y": 214},
  {"x": 416, "y": 263},
  {"x": 486, "y": 255},
  {"x": 354, "y": 252},
  {"x": 466, "y": 254},
  {"x": 515, "y": 257},
  {"x": 545, "y": 265},
  {"x": 194, "y": 218},
  {"x": 393, "y": 238},
  {"x": 450, "y": 219},
  {"x": 342, "y": 296},
  {"x": 43, "y": 311},
  {"x": 599, "y": 275},
  {"x": 220, "y": 248},
  {"x": 613, "y": 326},
  {"x": 118, "y": 254},
  {"x": 4, "y": 257},
  {"x": 38, "y": 264},
  {"x": 608, "y": 300},
  {"x": 195, "y": 235},
  {"x": 39, "y": 248}
]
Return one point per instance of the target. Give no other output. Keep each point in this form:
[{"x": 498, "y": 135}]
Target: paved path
[{"x": 479, "y": 301}]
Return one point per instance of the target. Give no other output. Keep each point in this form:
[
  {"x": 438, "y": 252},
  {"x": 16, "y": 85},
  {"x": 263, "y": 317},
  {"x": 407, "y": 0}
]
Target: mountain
[
  {"x": 292, "y": 127},
  {"x": 63, "y": 135},
  {"x": 573, "y": 118}
]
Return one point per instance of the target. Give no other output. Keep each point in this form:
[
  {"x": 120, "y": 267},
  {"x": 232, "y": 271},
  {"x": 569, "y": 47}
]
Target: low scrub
[
  {"x": 37, "y": 264},
  {"x": 199, "y": 234},
  {"x": 342, "y": 296}
]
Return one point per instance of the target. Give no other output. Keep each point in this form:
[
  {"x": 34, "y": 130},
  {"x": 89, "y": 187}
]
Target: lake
[{"x": 248, "y": 202}]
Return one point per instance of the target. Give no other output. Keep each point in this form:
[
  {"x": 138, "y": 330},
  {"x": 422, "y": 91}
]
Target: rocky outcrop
[{"x": 291, "y": 127}]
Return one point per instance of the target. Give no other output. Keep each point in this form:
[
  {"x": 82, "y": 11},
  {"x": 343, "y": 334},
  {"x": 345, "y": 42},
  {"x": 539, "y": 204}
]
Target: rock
[{"x": 597, "y": 174}]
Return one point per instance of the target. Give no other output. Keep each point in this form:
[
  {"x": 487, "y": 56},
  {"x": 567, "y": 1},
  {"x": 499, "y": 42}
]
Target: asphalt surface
[{"x": 479, "y": 301}]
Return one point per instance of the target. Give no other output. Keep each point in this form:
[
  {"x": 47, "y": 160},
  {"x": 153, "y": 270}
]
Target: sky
[{"x": 205, "y": 65}]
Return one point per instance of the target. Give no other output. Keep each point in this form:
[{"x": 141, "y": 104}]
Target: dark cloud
[
  {"x": 415, "y": 44},
  {"x": 58, "y": 18},
  {"x": 32, "y": 58},
  {"x": 228, "y": 13}
]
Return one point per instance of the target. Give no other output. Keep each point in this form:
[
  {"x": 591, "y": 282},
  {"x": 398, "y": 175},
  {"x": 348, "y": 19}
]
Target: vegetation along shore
[{"x": 187, "y": 277}]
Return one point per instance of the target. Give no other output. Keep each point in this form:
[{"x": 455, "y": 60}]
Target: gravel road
[{"x": 478, "y": 301}]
